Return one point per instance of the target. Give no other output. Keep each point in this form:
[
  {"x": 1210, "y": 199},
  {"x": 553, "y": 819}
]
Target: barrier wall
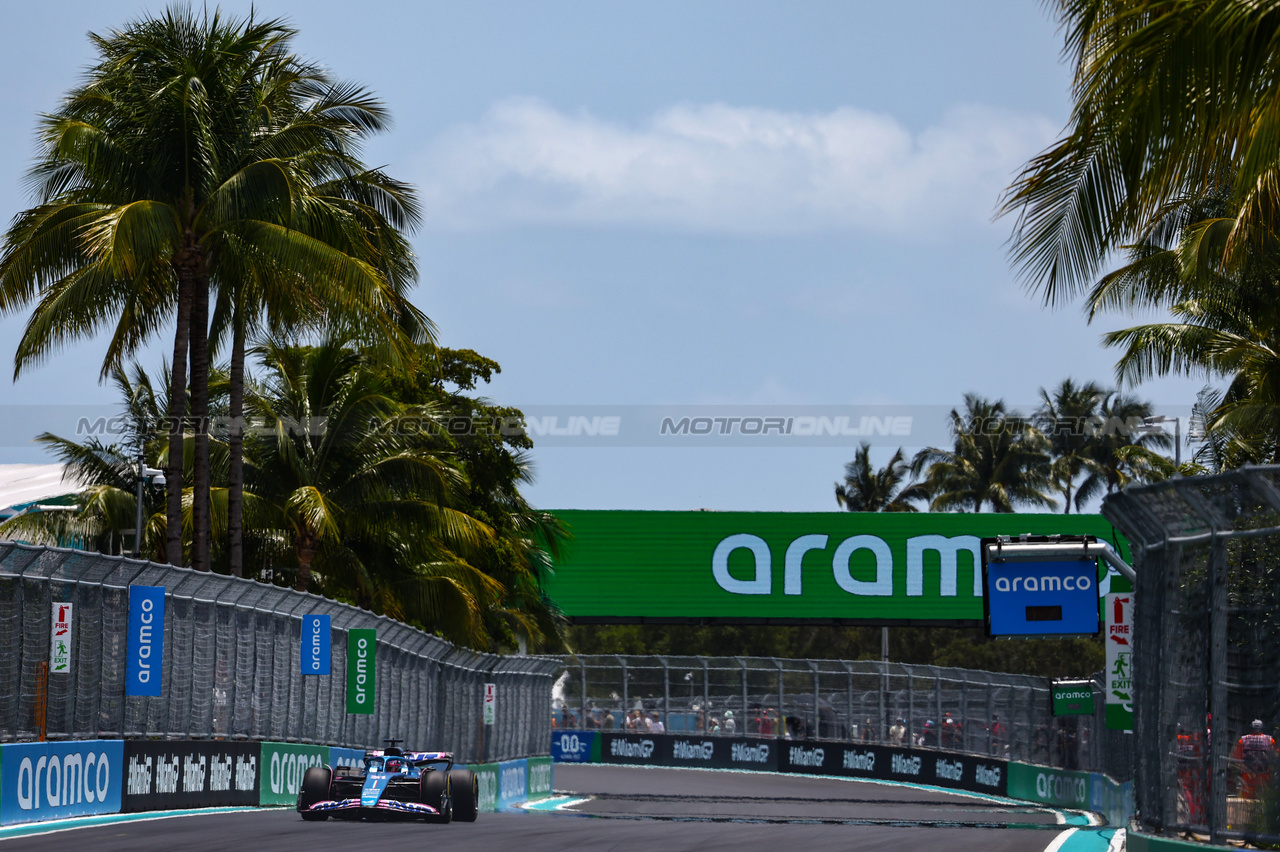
[
  {"x": 1088, "y": 791},
  {"x": 55, "y": 780}
]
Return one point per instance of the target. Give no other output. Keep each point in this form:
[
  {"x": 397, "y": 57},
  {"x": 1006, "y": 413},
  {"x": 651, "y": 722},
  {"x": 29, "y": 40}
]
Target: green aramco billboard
[{"x": 762, "y": 567}]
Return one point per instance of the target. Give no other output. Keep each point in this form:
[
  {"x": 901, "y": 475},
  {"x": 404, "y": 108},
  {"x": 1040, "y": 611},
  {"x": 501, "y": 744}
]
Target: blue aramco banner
[
  {"x": 146, "y": 641},
  {"x": 315, "y": 645},
  {"x": 40, "y": 781}
]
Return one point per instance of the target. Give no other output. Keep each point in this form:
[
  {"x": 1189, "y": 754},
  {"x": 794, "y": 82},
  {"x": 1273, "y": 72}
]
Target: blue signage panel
[
  {"x": 146, "y": 641},
  {"x": 513, "y": 783},
  {"x": 315, "y": 645},
  {"x": 41, "y": 781},
  {"x": 572, "y": 746},
  {"x": 1042, "y": 598}
]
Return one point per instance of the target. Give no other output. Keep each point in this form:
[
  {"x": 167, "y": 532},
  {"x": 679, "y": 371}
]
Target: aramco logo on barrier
[
  {"x": 1062, "y": 788},
  {"x": 361, "y": 668},
  {"x": 54, "y": 781},
  {"x": 286, "y": 771}
]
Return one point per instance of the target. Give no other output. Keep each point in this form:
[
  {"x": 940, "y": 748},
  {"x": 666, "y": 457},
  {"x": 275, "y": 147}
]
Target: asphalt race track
[{"x": 647, "y": 810}]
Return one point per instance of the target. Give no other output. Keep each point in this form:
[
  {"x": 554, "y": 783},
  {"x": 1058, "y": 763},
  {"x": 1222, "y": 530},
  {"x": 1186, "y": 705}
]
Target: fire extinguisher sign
[
  {"x": 60, "y": 639},
  {"x": 490, "y": 708},
  {"x": 1119, "y": 675}
]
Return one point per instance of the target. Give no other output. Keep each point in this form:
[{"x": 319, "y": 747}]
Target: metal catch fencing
[
  {"x": 231, "y": 666},
  {"x": 979, "y": 712},
  {"x": 1206, "y": 653}
]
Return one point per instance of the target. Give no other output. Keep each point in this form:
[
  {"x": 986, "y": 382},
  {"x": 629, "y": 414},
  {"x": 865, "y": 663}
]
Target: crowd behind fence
[
  {"x": 979, "y": 712},
  {"x": 1206, "y": 654},
  {"x": 231, "y": 666}
]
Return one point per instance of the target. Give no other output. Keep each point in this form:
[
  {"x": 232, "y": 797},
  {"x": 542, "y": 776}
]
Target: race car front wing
[{"x": 393, "y": 805}]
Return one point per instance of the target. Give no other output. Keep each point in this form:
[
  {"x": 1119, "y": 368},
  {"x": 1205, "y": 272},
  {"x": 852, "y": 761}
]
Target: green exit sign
[{"x": 1073, "y": 698}]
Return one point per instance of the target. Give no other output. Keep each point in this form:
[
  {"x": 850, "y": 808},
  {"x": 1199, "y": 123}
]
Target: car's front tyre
[
  {"x": 315, "y": 788},
  {"x": 466, "y": 794},
  {"x": 436, "y": 791}
]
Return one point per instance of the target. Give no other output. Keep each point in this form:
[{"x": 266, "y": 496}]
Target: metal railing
[
  {"x": 979, "y": 712},
  {"x": 1206, "y": 652},
  {"x": 231, "y": 666}
]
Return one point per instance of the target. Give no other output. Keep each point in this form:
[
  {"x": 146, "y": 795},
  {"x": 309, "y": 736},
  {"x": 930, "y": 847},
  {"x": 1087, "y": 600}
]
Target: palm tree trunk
[
  {"x": 306, "y": 545},
  {"x": 235, "y": 472},
  {"x": 177, "y": 429},
  {"x": 200, "y": 414}
]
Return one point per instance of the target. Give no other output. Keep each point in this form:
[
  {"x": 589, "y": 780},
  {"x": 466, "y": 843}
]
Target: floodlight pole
[{"x": 142, "y": 469}]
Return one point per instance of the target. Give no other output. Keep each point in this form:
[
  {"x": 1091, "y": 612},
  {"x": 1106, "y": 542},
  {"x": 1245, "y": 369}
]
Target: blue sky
[{"x": 781, "y": 205}]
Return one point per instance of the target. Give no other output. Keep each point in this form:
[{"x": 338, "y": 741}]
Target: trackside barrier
[
  {"x": 179, "y": 774},
  {"x": 512, "y": 782},
  {"x": 1087, "y": 791},
  {"x": 41, "y": 781},
  {"x": 815, "y": 757},
  {"x": 56, "y": 780}
]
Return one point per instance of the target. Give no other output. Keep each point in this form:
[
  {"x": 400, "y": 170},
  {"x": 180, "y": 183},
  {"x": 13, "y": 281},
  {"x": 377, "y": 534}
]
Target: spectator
[
  {"x": 950, "y": 732},
  {"x": 866, "y": 731},
  {"x": 766, "y": 723},
  {"x": 655, "y": 724},
  {"x": 995, "y": 736},
  {"x": 730, "y": 726},
  {"x": 898, "y": 732},
  {"x": 1256, "y": 752},
  {"x": 929, "y": 737},
  {"x": 609, "y": 721}
]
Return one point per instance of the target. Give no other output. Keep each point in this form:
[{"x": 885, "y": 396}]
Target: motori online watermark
[{"x": 885, "y": 426}]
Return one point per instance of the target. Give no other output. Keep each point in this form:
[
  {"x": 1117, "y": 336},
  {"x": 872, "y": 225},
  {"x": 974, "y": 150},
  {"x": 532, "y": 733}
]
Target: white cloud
[{"x": 718, "y": 168}]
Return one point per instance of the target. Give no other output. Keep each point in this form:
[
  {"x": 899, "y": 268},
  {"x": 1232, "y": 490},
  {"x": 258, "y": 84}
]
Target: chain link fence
[
  {"x": 231, "y": 666},
  {"x": 986, "y": 713},
  {"x": 1205, "y": 654}
]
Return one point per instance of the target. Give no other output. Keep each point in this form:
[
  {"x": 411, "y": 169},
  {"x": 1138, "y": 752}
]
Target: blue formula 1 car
[{"x": 392, "y": 784}]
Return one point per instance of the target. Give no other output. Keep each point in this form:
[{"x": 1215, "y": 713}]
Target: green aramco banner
[
  {"x": 892, "y": 568},
  {"x": 361, "y": 645}
]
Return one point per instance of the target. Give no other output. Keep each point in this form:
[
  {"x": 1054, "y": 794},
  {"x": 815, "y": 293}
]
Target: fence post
[
  {"x": 1218, "y": 673},
  {"x": 666, "y": 694},
  {"x": 937, "y": 695},
  {"x": 744, "y": 697},
  {"x": 582, "y": 697},
  {"x": 626, "y": 675},
  {"x": 911, "y": 705}
]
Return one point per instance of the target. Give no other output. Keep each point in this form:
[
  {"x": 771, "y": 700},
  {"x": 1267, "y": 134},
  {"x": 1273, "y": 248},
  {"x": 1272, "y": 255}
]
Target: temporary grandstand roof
[{"x": 22, "y": 485}]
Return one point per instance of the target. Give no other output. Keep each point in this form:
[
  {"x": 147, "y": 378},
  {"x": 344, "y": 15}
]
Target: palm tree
[
  {"x": 1120, "y": 451},
  {"x": 998, "y": 458},
  {"x": 348, "y": 493},
  {"x": 866, "y": 489},
  {"x": 1171, "y": 100},
  {"x": 1069, "y": 417},
  {"x": 199, "y": 148}
]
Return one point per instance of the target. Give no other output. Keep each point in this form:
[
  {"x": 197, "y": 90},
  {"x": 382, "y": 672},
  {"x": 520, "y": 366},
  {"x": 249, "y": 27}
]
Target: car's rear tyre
[
  {"x": 466, "y": 795},
  {"x": 315, "y": 788},
  {"x": 436, "y": 791}
]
